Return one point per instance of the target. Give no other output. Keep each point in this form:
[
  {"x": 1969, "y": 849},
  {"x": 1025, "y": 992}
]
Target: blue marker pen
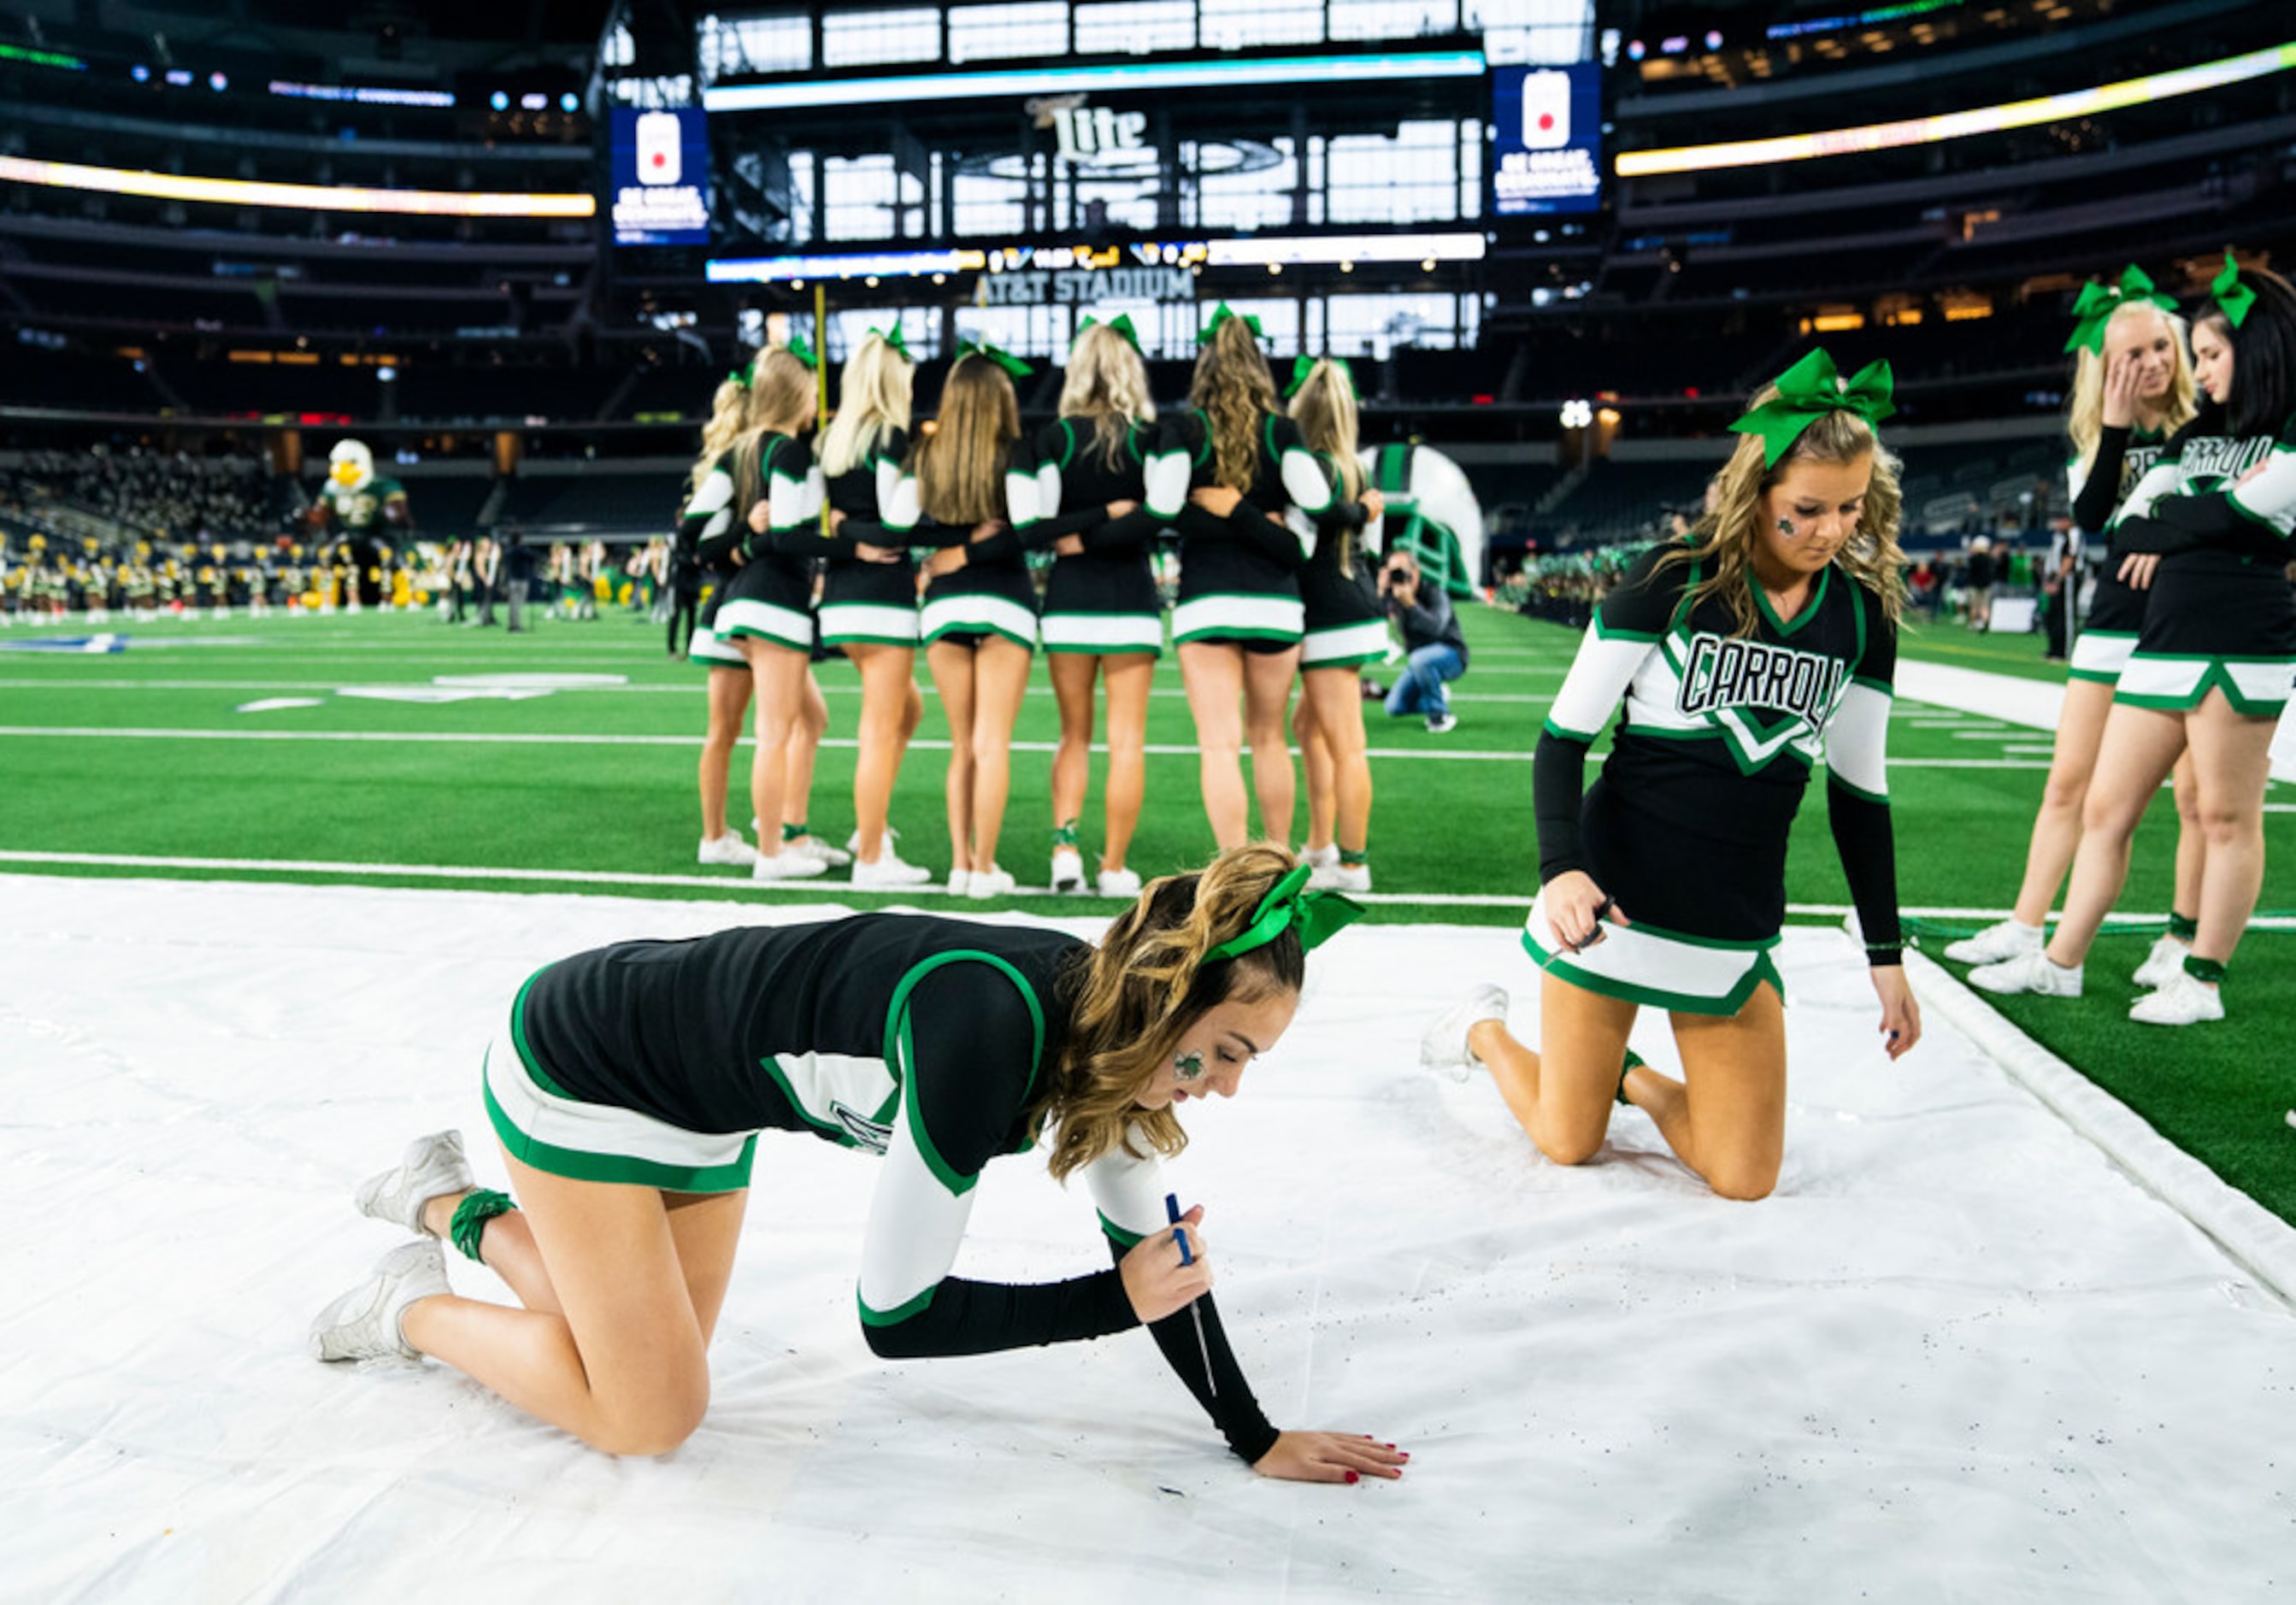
[{"x": 1180, "y": 1236}]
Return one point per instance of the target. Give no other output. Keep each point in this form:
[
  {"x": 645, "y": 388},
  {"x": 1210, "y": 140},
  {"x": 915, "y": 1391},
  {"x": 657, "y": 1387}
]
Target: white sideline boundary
[{"x": 2262, "y": 1243}]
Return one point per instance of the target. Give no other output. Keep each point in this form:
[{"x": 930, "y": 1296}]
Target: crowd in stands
[{"x": 157, "y": 495}]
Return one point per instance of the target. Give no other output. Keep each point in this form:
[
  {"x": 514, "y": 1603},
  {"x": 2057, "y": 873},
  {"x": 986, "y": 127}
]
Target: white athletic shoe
[
  {"x": 990, "y": 882},
  {"x": 1444, "y": 1046},
  {"x": 2028, "y": 972},
  {"x": 1068, "y": 870},
  {"x": 363, "y": 1324},
  {"x": 2181, "y": 1001},
  {"x": 1119, "y": 883},
  {"x": 890, "y": 872},
  {"x": 1325, "y": 857},
  {"x": 431, "y": 1167},
  {"x": 1340, "y": 877},
  {"x": 786, "y": 866},
  {"x": 853, "y": 842},
  {"x": 813, "y": 846},
  {"x": 729, "y": 849},
  {"x": 2163, "y": 963},
  {"x": 1996, "y": 942},
  {"x": 960, "y": 882}
]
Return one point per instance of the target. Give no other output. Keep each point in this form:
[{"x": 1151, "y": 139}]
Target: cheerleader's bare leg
[
  {"x": 2231, "y": 764},
  {"x": 1128, "y": 677},
  {"x": 1213, "y": 673},
  {"x": 2139, "y": 749},
  {"x": 951, "y": 665},
  {"x": 887, "y": 687},
  {"x": 1726, "y": 1120},
  {"x": 1561, "y": 1092},
  {"x": 1267, "y": 679},
  {"x": 729, "y": 705},
  {"x": 641, "y": 1276}
]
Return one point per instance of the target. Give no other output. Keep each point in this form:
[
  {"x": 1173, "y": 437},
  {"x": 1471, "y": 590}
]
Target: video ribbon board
[
  {"x": 661, "y": 173},
  {"x": 1548, "y": 137}
]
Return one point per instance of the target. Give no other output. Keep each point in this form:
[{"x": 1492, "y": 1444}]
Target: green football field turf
[{"x": 155, "y": 752}]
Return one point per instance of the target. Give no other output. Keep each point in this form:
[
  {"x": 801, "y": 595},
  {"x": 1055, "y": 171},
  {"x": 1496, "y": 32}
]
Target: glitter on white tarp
[{"x": 1960, "y": 1354}]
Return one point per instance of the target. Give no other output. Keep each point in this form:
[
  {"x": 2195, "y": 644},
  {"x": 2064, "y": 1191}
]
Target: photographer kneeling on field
[{"x": 1431, "y": 635}]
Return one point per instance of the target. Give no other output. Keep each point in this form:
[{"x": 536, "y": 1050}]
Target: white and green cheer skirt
[
  {"x": 2100, "y": 655},
  {"x": 1660, "y": 969},
  {"x": 1346, "y": 645},
  {"x": 1232, "y": 617},
  {"x": 539, "y": 1126}
]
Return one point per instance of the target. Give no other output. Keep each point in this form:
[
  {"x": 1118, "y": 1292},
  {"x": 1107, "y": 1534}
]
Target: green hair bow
[
  {"x": 799, "y": 349},
  {"x": 1005, "y": 360},
  {"x": 893, "y": 338},
  {"x": 740, "y": 375},
  {"x": 1318, "y": 915},
  {"x": 1121, "y": 324},
  {"x": 1303, "y": 366},
  {"x": 1221, "y": 315},
  {"x": 2099, "y": 303},
  {"x": 2236, "y": 298},
  {"x": 1806, "y": 392}
]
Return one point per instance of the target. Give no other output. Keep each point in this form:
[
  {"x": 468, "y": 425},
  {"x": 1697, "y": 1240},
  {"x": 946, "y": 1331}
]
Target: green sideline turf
[{"x": 603, "y": 780}]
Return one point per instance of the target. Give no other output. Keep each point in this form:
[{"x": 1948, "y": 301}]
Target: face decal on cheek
[
  {"x": 1188, "y": 1067},
  {"x": 1786, "y": 527}
]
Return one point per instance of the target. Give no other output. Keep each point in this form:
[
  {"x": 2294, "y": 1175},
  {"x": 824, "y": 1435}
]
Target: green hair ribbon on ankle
[{"x": 471, "y": 1218}]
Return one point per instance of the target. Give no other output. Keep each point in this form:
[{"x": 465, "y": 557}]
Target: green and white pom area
[{"x": 1965, "y": 1352}]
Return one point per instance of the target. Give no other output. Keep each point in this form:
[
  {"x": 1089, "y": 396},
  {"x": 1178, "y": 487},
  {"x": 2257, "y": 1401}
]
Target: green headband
[
  {"x": 1220, "y": 316},
  {"x": 1121, "y": 324},
  {"x": 892, "y": 337},
  {"x": 2236, "y": 299},
  {"x": 1005, "y": 360},
  {"x": 1303, "y": 366},
  {"x": 1806, "y": 392},
  {"x": 2099, "y": 303},
  {"x": 1319, "y": 916}
]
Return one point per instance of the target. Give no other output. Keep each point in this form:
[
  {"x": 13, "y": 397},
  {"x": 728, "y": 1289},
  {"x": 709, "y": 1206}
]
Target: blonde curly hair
[{"x": 1234, "y": 391}]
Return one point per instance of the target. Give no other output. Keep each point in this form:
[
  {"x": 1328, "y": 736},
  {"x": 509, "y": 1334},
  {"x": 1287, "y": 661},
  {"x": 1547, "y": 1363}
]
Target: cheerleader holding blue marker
[{"x": 1195, "y": 1314}]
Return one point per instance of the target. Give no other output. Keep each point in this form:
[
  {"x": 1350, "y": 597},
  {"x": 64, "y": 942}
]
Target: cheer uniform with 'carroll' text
[{"x": 1687, "y": 826}]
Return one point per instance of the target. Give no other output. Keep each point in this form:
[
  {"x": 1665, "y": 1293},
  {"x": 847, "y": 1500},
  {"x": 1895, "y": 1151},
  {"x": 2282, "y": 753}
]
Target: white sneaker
[
  {"x": 729, "y": 849},
  {"x": 1340, "y": 877},
  {"x": 990, "y": 882},
  {"x": 2164, "y": 962},
  {"x": 363, "y": 1324},
  {"x": 888, "y": 872},
  {"x": 1068, "y": 870},
  {"x": 1444, "y": 1046},
  {"x": 960, "y": 881},
  {"x": 2181, "y": 1000},
  {"x": 1996, "y": 942},
  {"x": 813, "y": 846},
  {"x": 1325, "y": 857},
  {"x": 853, "y": 842},
  {"x": 786, "y": 866},
  {"x": 2028, "y": 972},
  {"x": 1119, "y": 883},
  {"x": 432, "y": 1166}
]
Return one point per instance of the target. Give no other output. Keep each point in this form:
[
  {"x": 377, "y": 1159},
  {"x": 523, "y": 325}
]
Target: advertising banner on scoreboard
[
  {"x": 661, "y": 178},
  {"x": 1547, "y": 147}
]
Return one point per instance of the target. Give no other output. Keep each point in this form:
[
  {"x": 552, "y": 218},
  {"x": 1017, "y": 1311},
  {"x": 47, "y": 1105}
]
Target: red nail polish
[{"x": 1351, "y": 1477}]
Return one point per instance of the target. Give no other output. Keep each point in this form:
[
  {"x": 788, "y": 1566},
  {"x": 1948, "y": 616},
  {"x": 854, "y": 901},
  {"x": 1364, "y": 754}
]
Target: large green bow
[
  {"x": 1221, "y": 315},
  {"x": 740, "y": 375},
  {"x": 2236, "y": 298},
  {"x": 893, "y": 338},
  {"x": 1806, "y": 392},
  {"x": 799, "y": 349},
  {"x": 1303, "y": 366},
  {"x": 1319, "y": 916},
  {"x": 1121, "y": 324},
  {"x": 1003, "y": 359},
  {"x": 2099, "y": 303}
]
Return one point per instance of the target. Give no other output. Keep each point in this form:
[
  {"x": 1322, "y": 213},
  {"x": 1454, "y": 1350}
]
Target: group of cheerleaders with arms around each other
[
  {"x": 628, "y": 1085},
  {"x": 923, "y": 539}
]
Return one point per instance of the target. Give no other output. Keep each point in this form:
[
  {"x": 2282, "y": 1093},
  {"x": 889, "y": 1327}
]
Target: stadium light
[
  {"x": 300, "y": 197},
  {"x": 1960, "y": 125},
  {"x": 816, "y": 94},
  {"x": 1577, "y": 415}
]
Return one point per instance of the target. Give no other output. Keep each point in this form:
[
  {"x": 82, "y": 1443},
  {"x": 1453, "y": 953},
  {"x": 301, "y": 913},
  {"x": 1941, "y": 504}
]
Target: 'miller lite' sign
[
  {"x": 661, "y": 178},
  {"x": 1547, "y": 125}
]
